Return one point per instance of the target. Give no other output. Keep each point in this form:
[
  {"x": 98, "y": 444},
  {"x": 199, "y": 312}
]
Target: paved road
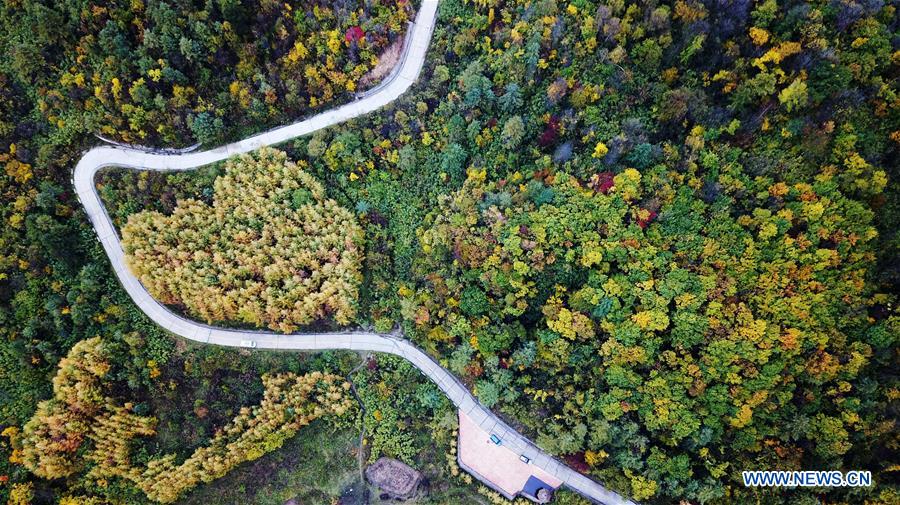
[{"x": 410, "y": 66}]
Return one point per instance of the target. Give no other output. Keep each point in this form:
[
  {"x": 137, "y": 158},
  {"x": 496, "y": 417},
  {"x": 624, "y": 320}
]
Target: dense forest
[
  {"x": 270, "y": 251},
  {"x": 175, "y": 73},
  {"x": 658, "y": 237},
  {"x": 197, "y": 70}
]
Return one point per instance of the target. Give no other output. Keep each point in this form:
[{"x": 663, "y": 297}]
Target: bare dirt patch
[
  {"x": 386, "y": 62},
  {"x": 395, "y": 478}
]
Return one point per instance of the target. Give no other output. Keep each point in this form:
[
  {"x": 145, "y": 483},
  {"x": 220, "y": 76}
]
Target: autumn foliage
[
  {"x": 704, "y": 324},
  {"x": 53, "y": 436},
  {"x": 82, "y": 426},
  {"x": 81, "y": 409},
  {"x": 289, "y": 403},
  {"x": 660, "y": 238},
  {"x": 162, "y": 73},
  {"x": 272, "y": 250}
]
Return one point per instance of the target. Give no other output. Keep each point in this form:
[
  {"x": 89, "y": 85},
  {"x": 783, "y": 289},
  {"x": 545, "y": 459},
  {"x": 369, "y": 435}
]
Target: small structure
[
  {"x": 395, "y": 478},
  {"x": 537, "y": 490}
]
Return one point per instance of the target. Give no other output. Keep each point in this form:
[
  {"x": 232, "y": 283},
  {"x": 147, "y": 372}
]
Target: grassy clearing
[{"x": 313, "y": 467}]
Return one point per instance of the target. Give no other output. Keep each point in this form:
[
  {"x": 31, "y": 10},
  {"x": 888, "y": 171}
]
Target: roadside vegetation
[
  {"x": 668, "y": 223},
  {"x": 183, "y": 436},
  {"x": 156, "y": 73},
  {"x": 85, "y": 430},
  {"x": 176, "y": 73},
  {"x": 658, "y": 238}
]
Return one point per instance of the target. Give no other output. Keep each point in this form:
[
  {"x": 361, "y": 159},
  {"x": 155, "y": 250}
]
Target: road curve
[{"x": 418, "y": 38}]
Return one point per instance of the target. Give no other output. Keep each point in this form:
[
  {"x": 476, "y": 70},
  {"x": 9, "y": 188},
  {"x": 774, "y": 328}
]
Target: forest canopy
[
  {"x": 708, "y": 324},
  {"x": 659, "y": 238},
  {"x": 272, "y": 250},
  {"x": 84, "y": 427},
  {"x": 164, "y": 73}
]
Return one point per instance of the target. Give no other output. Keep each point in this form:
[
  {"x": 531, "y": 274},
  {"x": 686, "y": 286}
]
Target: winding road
[{"x": 418, "y": 38}]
